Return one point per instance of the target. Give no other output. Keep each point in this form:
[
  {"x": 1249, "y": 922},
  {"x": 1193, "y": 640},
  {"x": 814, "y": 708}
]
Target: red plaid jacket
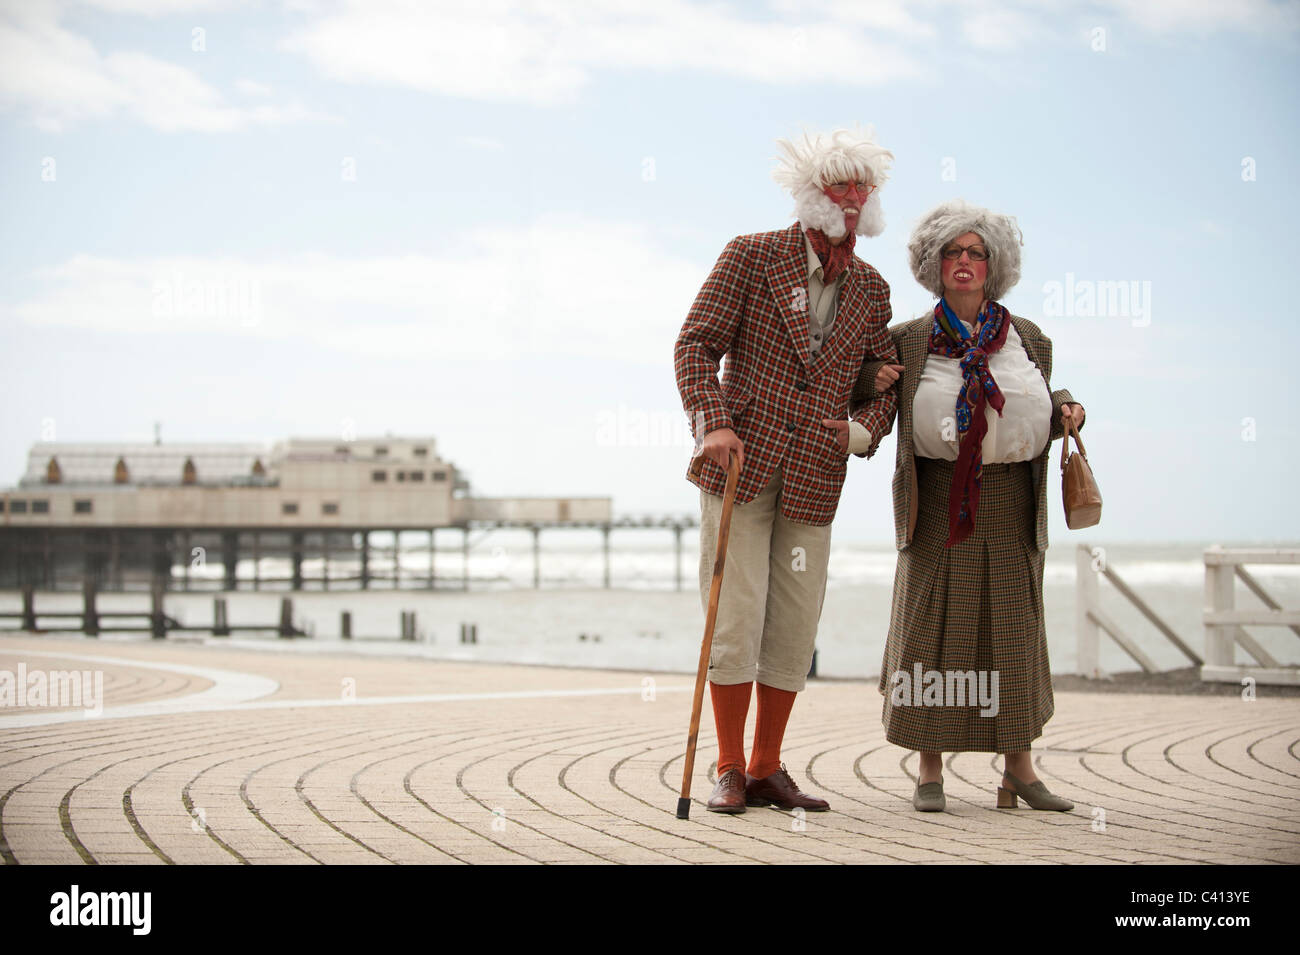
[{"x": 774, "y": 395}]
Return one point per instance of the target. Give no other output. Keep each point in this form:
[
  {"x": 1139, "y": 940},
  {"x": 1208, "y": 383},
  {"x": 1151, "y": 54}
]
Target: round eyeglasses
[
  {"x": 841, "y": 189},
  {"x": 977, "y": 252}
]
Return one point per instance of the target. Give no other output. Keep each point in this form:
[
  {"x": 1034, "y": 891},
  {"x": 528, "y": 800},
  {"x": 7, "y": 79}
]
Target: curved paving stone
[{"x": 444, "y": 763}]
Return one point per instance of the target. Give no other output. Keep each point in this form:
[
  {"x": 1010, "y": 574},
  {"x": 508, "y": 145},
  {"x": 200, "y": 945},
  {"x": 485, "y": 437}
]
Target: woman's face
[{"x": 964, "y": 273}]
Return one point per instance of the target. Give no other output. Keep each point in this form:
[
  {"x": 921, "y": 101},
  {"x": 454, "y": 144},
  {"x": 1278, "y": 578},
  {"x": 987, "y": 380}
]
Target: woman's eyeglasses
[{"x": 977, "y": 252}]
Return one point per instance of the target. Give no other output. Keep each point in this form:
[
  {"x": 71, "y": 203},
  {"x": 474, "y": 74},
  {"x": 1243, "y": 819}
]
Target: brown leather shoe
[
  {"x": 729, "y": 793},
  {"x": 780, "y": 790}
]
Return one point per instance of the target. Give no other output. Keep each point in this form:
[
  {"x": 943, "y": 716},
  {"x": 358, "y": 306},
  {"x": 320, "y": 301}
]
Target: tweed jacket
[
  {"x": 913, "y": 340},
  {"x": 753, "y": 308}
]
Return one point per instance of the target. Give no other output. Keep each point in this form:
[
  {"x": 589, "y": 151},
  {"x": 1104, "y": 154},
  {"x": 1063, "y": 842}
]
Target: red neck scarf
[
  {"x": 834, "y": 258},
  {"x": 978, "y": 391}
]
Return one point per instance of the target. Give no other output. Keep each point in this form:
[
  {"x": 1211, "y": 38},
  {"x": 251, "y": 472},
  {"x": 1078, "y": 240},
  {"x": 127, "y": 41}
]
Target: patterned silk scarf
[
  {"x": 834, "y": 258},
  {"x": 948, "y": 338}
]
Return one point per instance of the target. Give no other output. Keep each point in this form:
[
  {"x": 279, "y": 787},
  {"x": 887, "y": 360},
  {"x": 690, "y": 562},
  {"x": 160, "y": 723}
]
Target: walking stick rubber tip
[{"x": 684, "y": 808}]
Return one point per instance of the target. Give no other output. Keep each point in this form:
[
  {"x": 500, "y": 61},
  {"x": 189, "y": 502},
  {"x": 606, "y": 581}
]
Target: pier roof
[{"x": 96, "y": 462}]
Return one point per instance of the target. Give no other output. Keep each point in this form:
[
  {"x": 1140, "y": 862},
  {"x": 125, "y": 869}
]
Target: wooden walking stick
[{"x": 710, "y": 617}]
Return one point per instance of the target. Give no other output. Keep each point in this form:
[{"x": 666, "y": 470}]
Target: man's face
[{"x": 850, "y": 197}]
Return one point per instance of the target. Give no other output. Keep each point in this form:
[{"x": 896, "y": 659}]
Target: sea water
[{"x": 644, "y": 623}]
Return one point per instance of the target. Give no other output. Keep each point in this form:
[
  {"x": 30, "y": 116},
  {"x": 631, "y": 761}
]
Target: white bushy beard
[{"x": 816, "y": 210}]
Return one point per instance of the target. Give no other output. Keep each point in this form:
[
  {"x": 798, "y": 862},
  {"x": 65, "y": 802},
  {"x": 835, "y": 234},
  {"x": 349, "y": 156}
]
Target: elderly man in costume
[{"x": 796, "y": 314}]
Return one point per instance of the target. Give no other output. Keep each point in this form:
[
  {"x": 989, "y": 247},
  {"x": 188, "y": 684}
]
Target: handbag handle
[{"x": 1065, "y": 442}]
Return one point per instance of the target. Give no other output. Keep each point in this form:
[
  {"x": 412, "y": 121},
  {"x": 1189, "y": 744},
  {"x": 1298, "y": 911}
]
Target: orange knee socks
[
  {"x": 773, "y": 712},
  {"x": 730, "y": 708}
]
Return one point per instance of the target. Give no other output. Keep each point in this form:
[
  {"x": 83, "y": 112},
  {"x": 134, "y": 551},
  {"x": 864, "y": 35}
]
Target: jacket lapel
[
  {"x": 912, "y": 351},
  {"x": 787, "y": 276},
  {"x": 1042, "y": 360},
  {"x": 1031, "y": 344}
]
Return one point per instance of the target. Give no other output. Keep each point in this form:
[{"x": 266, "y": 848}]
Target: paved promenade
[{"x": 222, "y": 755}]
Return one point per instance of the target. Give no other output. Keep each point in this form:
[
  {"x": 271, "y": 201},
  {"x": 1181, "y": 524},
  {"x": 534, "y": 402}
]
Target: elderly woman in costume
[{"x": 965, "y": 666}]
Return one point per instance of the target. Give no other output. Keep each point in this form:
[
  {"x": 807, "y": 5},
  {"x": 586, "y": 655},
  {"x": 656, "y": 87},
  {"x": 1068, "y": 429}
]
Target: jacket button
[
  {"x": 801, "y": 385},
  {"x": 792, "y": 427}
]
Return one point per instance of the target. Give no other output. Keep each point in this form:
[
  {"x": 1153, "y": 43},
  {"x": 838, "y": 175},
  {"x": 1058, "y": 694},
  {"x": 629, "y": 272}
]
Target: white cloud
[
  {"x": 993, "y": 28},
  {"x": 252, "y": 87},
  {"x": 548, "y": 52},
  {"x": 482, "y": 142},
  {"x": 513, "y": 292},
  {"x": 893, "y": 16},
  {"x": 1016, "y": 24},
  {"x": 51, "y": 69},
  {"x": 1174, "y": 16},
  {"x": 157, "y": 8},
  {"x": 60, "y": 79}
]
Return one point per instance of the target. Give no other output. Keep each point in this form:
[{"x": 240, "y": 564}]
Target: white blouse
[{"x": 1022, "y": 431}]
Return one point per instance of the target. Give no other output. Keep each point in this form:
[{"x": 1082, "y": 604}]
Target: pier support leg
[
  {"x": 605, "y": 551},
  {"x": 296, "y": 557},
  {"x": 89, "y": 615},
  {"x": 92, "y": 564},
  {"x": 537, "y": 557},
  {"x": 365, "y": 560},
  {"x": 157, "y": 622},
  {"x": 29, "y": 607},
  {"x": 162, "y": 560},
  {"x": 229, "y": 560},
  {"x": 115, "y": 558}
]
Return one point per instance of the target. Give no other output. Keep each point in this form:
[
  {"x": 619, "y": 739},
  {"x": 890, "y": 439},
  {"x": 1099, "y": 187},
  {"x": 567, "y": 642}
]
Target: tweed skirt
[{"x": 965, "y": 666}]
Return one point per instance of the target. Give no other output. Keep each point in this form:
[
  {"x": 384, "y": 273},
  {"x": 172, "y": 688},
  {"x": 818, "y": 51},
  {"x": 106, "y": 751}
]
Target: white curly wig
[
  {"x": 945, "y": 222},
  {"x": 811, "y": 164}
]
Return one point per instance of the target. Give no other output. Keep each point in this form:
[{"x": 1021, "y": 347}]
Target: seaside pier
[{"x": 303, "y": 514}]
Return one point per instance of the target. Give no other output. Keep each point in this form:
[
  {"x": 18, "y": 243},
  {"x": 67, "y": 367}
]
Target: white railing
[
  {"x": 1091, "y": 620},
  {"x": 1224, "y": 622}
]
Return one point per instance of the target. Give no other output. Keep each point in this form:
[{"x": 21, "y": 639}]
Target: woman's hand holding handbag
[{"x": 1079, "y": 488}]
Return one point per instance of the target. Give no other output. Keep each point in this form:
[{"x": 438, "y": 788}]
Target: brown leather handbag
[{"x": 1078, "y": 487}]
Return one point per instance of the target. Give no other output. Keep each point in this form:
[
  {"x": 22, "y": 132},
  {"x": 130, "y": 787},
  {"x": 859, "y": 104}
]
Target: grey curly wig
[{"x": 945, "y": 222}]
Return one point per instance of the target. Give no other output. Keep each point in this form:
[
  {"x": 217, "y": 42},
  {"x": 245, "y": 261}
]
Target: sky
[{"x": 486, "y": 222}]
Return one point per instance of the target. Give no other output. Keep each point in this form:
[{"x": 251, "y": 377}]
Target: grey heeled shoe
[
  {"x": 1035, "y": 794},
  {"x": 929, "y": 797}
]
